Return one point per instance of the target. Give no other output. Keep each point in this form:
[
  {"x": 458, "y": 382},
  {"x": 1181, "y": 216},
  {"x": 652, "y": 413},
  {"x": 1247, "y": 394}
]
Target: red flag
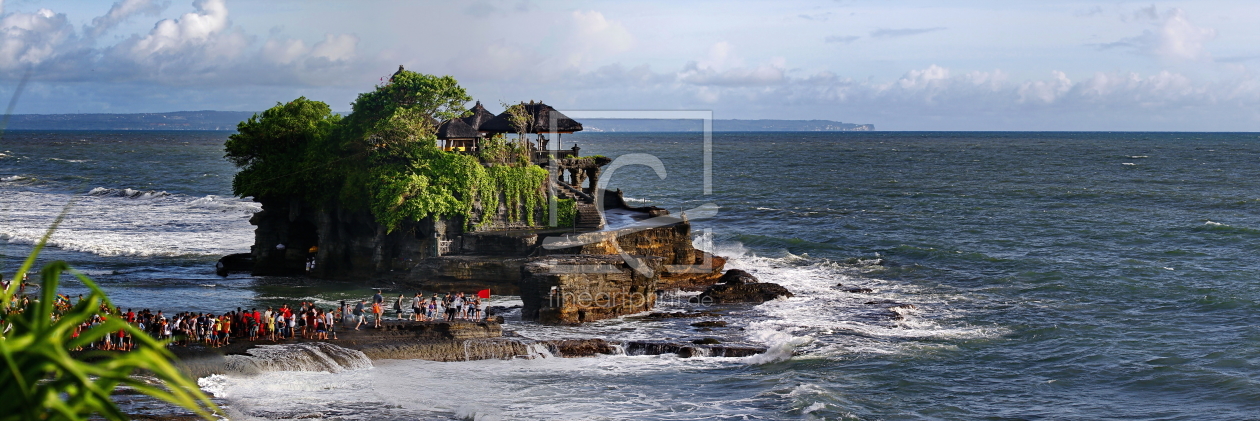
[{"x": 485, "y": 293}]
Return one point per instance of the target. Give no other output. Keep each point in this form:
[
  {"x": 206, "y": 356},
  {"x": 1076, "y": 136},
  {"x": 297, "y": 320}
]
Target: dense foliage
[
  {"x": 384, "y": 158},
  {"x": 271, "y": 148},
  {"x": 566, "y": 213}
]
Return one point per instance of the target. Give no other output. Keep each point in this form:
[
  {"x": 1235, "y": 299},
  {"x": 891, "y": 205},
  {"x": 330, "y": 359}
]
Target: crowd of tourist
[
  {"x": 306, "y": 321},
  {"x": 453, "y": 306}
]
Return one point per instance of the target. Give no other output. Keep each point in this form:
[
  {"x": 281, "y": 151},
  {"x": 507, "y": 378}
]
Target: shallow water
[{"x": 1052, "y": 275}]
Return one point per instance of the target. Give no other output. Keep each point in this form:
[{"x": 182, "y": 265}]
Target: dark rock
[
  {"x": 240, "y": 262},
  {"x": 690, "y": 350},
  {"x": 854, "y": 290},
  {"x": 706, "y": 341},
  {"x": 573, "y": 348},
  {"x": 747, "y": 293},
  {"x": 493, "y": 310},
  {"x": 887, "y": 303},
  {"x": 737, "y": 277},
  {"x": 711, "y": 323},
  {"x": 680, "y": 315}
]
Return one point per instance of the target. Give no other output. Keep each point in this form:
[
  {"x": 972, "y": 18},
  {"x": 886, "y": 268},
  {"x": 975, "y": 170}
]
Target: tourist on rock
[
  {"x": 378, "y": 312},
  {"x": 398, "y": 306},
  {"x": 358, "y": 313},
  {"x": 417, "y": 308},
  {"x": 451, "y": 309},
  {"x": 329, "y": 322},
  {"x": 271, "y": 324}
]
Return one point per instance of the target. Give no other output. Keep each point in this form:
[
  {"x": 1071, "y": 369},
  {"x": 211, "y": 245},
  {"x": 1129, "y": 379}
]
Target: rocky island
[{"x": 413, "y": 191}]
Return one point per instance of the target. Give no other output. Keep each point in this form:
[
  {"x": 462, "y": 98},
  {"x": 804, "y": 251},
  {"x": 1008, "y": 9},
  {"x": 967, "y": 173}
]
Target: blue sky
[{"x": 901, "y": 65}]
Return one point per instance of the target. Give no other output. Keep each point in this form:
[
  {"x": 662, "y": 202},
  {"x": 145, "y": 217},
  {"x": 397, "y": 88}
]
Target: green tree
[
  {"x": 272, "y": 149},
  {"x": 383, "y": 157}
]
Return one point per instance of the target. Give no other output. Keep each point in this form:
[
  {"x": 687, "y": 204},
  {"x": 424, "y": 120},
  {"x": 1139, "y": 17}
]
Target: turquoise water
[{"x": 1053, "y": 275}]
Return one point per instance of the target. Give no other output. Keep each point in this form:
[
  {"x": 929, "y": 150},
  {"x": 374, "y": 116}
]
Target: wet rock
[
  {"x": 892, "y": 307},
  {"x": 573, "y": 348},
  {"x": 240, "y": 262},
  {"x": 680, "y": 315},
  {"x": 710, "y": 323},
  {"x": 690, "y": 350},
  {"x": 737, "y": 277},
  {"x": 747, "y": 293},
  {"x": 493, "y": 310},
  {"x": 706, "y": 341},
  {"x": 841, "y": 287},
  {"x": 606, "y": 287}
]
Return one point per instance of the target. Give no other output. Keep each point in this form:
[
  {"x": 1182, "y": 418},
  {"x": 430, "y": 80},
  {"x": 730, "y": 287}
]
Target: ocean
[{"x": 951, "y": 275}]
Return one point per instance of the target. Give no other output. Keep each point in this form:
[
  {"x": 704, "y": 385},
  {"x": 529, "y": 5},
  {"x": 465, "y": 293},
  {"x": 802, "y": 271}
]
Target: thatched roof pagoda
[
  {"x": 479, "y": 116},
  {"x": 457, "y": 129},
  {"x": 540, "y": 118},
  {"x": 457, "y": 136}
]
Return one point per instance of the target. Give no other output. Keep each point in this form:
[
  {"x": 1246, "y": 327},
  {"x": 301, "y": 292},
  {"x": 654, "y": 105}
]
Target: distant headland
[{"x": 227, "y": 120}]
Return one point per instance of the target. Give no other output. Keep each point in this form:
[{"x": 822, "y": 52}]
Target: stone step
[{"x": 588, "y": 216}]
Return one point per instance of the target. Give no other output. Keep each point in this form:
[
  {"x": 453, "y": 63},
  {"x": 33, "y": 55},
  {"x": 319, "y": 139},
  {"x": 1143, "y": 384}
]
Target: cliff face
[
  {"x": 438, "y": 255},
  {"x": 574, "y": 289},
  {"x": 350, "y": 243},
  {"x": 684, "y": 266}
]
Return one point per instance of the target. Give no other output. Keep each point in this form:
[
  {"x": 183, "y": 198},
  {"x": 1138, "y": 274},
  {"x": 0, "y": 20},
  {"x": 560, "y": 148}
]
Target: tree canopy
[
  {"x": 271, "y": 148},
  {"x": 383, "y": 157}
]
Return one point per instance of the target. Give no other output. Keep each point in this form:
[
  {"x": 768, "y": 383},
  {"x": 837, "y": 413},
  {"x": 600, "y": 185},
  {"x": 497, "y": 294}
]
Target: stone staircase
[{"x": 588, "y": 216}]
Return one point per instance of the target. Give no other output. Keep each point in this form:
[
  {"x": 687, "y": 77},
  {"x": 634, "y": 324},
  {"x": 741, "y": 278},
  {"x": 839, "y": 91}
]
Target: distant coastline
[{"x": 227, "y": 120}]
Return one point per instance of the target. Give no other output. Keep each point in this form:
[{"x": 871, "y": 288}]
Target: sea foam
[{"x": 129, "y": 222}]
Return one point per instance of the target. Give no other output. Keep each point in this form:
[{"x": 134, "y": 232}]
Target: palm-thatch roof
[
  {"x": 479, "y": 116},
  {"x": 457, "y": 129},
  {"x": 540, "y": 118}
]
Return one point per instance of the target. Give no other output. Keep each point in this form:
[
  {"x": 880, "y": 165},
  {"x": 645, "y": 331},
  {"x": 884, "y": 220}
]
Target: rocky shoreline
[{"x": 433, "y": 341}]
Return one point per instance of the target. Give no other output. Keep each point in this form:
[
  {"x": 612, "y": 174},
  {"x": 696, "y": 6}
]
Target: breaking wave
[
  {"x": 129, "y": 222},
  {"x": 838, "y": 308}
]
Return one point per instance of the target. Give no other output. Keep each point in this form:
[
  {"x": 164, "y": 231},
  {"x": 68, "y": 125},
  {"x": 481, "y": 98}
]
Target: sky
[{"x": 900, "y": 65}]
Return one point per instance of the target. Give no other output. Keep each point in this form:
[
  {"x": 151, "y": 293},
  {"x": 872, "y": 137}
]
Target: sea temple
[
  {"x": 471, "y": 202},
  {"x": 547, "y": 232}
]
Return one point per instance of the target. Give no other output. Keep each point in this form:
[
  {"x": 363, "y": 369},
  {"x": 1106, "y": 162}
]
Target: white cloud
[
  {"x": 1171, "y": 37},
  {"x": 1180, "y": 39},
  {"x": 1045, "y": 91},
  {"x": 591, "y": 36},
  {"x": 723, "y": 67},
  {"x": 284, "y": 51},
  {"x": 31, "y": 39},
  {"x": 121, "y": 11},
  {"x": 903, "y": 32},
  {"x": 201, "y": 47},
  {"x": 935, "y": 97},
  {"x": 190, "y": 31},
  {"x": 336, "y": 47}
]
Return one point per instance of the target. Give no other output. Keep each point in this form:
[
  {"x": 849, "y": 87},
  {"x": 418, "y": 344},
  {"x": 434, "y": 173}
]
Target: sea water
[{"x": 937, "y": 276}]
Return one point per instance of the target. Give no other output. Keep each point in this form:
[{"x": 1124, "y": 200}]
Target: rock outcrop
[
  {"x": 737, "y": 277},
  {"x": 741, "y": 287},
  {"x": 581, "y": 288}
]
